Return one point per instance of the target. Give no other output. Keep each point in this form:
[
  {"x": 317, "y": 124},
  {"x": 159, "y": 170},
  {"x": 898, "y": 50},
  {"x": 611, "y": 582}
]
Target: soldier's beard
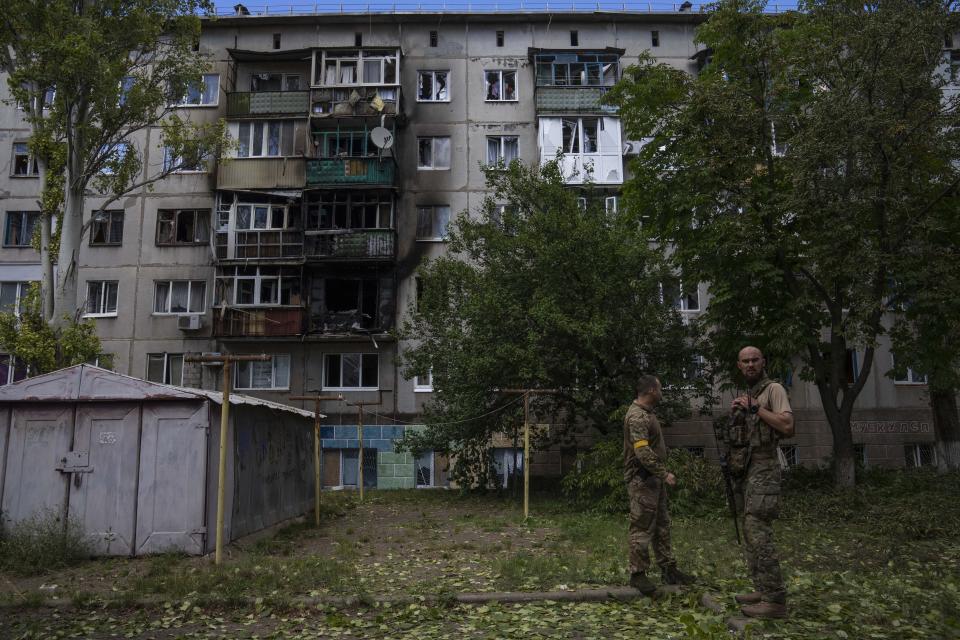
[{"x": 753, "y": 378}]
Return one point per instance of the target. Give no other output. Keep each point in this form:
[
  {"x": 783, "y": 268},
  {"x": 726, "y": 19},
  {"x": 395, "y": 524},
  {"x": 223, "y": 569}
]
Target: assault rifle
[{"x": 725, "y": 471}]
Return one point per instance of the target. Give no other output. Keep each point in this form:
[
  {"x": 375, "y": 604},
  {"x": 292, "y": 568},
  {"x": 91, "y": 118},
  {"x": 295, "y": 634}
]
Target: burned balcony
[
  {"x": 262, "y": 173},
  {"x": 351, "y": 302},
  {"x": 360, "y": 172},
  {"x": 232, "y": 322},
  {"x": 241, "y": 104},
  {"x": 261, "y": 244},
  {"x": 350, "y": 244}
]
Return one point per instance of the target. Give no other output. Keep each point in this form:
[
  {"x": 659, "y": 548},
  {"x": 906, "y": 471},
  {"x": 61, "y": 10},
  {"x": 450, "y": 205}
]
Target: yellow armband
[{"x": 641, "y": 443}]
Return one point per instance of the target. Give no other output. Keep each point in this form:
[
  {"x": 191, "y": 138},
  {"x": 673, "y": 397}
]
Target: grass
[
  {"x": 878, "y": 561},
  {"x": 41, "y": 544}
]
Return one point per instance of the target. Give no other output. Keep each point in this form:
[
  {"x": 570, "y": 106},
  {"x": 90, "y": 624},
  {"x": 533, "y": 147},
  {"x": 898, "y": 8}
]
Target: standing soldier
[
  {"x": 644, "y": 457},
  {"x": 760, "y": 418}
]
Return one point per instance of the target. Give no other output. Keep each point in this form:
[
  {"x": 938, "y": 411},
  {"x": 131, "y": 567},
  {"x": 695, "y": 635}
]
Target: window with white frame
[
  {"x": 268, "y": 374},
  {"x": 204, "y": 93},
  {"x": 919, "y": 455},
  {"x": 423, "y": 383},
  {"x": 165, "y": 368},
  {"x": 503, "y": 149},
  {"x": 275, "y": 82},
  {"x": 501, "y": 86},
  {"x": 264, "y": 138},
  {"x": 253, "y": 217},
  {"x": 681, "y": 296},
  {"x": 19, "y": 228},
  {"x": 787, "y": 455},
  {"x": 432, "y": 86},
  {"x": 355, "y": 66},
  {"x": 11, "y": 369},
  {"x": 909, "y": 376},
  {"x": 102, "y": 298},
  {"x": 351, "y": 371},
  {"x": 113, "y": 158},
  {"x": 581, "y": 135},
  {"x": 106, "y": 228},
  {"x": 183, "y": 226},
  {"x": 179, "y": 296},
  {"x": 258, "y": 286},
  {"x": 12, "y": 296},
  {"x": 182, "y": 164},
  {"x": 577, "y": 69},
  {"x": 611, "y": 204},
  {"x": 433, "y": 153},
  {"x": 24, "y": 164},
  {"x": 432, "y": 222},
  {"x": 424, "y": 468}
]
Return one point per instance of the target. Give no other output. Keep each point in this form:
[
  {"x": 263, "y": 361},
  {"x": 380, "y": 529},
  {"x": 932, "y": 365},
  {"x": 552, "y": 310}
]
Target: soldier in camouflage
[
  {"x": 767, "y": 416},
  {"x": 644, "y": 458}
]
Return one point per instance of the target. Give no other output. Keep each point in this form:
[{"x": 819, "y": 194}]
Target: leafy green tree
[
  {"x": 43, "y": 348},
  {"x": 543, "y": 292},
  {"x": 792, "y": 174},
  {"x": 118, "y": 68}
]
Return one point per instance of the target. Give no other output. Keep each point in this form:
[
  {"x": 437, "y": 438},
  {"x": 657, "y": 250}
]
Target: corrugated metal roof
[{"x": 87, "y": 383}]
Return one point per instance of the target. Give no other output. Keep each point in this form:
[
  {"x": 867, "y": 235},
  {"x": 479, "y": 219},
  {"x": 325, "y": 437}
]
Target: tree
[
  {"x": 542, "y": 292},
  {"x": 94, "y": 76},
  {"x": 793, "y": 172},
  {"x": 33, "y": 343}
]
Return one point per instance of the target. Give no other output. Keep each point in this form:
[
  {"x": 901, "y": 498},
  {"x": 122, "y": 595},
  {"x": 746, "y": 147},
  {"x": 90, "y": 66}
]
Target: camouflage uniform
[
  {"x": 758, "y": 494},
  {"x": 644, "y": 453}
]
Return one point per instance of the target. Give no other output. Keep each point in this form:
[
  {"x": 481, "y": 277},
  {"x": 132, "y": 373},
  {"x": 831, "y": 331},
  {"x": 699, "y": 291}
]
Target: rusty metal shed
[{"x": 135, "y": 462}]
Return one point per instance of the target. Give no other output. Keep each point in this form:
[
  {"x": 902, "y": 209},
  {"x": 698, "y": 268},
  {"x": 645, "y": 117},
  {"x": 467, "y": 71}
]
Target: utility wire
[{"x": 483, "y": 415}]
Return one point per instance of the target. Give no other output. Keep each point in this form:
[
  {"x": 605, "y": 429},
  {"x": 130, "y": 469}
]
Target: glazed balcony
[
  {"x": 358, "y": 101},
  {"x": 360, "y": 172},
  {"x": 260, "y": 244},
  {"x": 350, "y": 244},
  {"x": 251, "y": 322},
  {"x": 568, "y": 100},
  {"x": 267, "y": 103},
  {"x": 261, "y": 173}
]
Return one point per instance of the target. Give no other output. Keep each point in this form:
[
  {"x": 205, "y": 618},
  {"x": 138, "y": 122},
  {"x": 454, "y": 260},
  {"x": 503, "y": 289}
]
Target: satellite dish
[{"x": 381, "y": 138}]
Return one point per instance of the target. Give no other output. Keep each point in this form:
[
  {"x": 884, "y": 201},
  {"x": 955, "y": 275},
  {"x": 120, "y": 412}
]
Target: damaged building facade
[{"x": 357, "y": 138}]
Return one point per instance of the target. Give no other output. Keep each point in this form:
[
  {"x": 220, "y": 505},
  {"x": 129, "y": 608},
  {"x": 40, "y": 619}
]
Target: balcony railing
[
  {"x": 260, "y": 244},
  {"x": 238, "y": 323},
  {"x": 375, "y": 244},
  {"x": 359, "y": 101},
  {"x": 572, "y": 100},
  {"x": 350, "y": 171},
  {"x": 267, "y": 103},
  {"x": 261, "y": 173}
]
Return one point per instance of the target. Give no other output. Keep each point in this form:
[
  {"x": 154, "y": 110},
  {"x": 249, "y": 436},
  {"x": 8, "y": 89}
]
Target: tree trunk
[
  {"x": 844, "y": 466},
  {"x": 65, "y": 293},
  {"x": 946, "y": 429}
]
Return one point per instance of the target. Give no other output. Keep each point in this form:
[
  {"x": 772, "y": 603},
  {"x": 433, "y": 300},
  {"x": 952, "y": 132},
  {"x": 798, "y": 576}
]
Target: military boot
[
  {"x": 641, "y": 583},
  {"x": 672, "y": 575},
  {"x": 748, "y": 598},
  {"x": 765, "y": 610}
]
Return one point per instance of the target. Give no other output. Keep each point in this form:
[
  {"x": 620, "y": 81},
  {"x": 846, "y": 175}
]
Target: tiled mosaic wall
[{"x": 394, "y": 470}]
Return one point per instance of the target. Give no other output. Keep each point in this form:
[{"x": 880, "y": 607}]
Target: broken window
[
  {"x": 351, "y": 371},
  {"x": 347, "y": 210},
  {"x": 432, "y": 86},
  {"x": 432, "y": 222},
  {"x": 183, "y": 226},
  {"x": 577, "y": 69},
  {"x": 275, "y": 82},
  {"x": 351, "y": 303},
  {"x": 106, "y": 228},
  {"x": 501, "y": 86},
  {"x": 24, "y": 164},
  {"x": 433, "y": 152}
]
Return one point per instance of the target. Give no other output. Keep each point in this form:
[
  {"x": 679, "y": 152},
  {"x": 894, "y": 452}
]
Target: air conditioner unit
[{"x": 189, "y": 323}]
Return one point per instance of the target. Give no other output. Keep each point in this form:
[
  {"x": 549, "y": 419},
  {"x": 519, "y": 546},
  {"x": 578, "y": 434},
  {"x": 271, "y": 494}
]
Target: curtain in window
[
  {"x": 198, "y": 294},
  {"x": 425, "y": 152},
  {"x": 174, "y": 369},
  {"x": 273, "y": 138},
  {"x": 348, "y": 73},
  {"x": 160, "y": 297},
  {"x": 243, "y": 216},
  {"x": 372, "y": 72},
  {"x": 211, "y": 87},
  {"x": 510, "y": 149},
  {"x": 243, "y": 138},
  {"x": 351, "y": 370},
  {"x": 441, "y": 152},
  {"x": 262, "y": 375},
  {"x": 179, "y": 297},
  {"x": 493, "y": 150}
]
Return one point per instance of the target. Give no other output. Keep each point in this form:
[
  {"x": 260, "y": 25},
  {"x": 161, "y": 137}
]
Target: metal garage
[{"x": 135, "y": 462}]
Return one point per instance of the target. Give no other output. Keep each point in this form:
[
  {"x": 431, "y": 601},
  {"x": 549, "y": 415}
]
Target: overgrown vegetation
[{"x": 42, "y": 543}]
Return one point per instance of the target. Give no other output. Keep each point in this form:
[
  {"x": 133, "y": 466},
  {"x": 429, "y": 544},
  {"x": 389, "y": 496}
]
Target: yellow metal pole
[
  {"x": 526, "y": 456},
  {"x": 360, "y": 434},
  {"x": 222, "y": 475},
  {"x": 316, "y": 464}
]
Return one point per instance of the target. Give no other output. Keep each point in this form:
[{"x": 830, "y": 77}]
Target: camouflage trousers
[
  {"x": 649, "y": 524},
  {"x": 758, "y": 502}
]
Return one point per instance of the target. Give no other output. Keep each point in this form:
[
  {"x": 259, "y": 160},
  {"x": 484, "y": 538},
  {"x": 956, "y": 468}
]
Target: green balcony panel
[
  {"x": 350, "y": 171},
  {"x": 572, "y": 100},
  {"x": 267, "y": 103}
]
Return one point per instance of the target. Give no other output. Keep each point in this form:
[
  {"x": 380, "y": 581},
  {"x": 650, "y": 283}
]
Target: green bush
[
  {"x": 597, "y": 484},
  {"x": 42, "y": 543}
]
